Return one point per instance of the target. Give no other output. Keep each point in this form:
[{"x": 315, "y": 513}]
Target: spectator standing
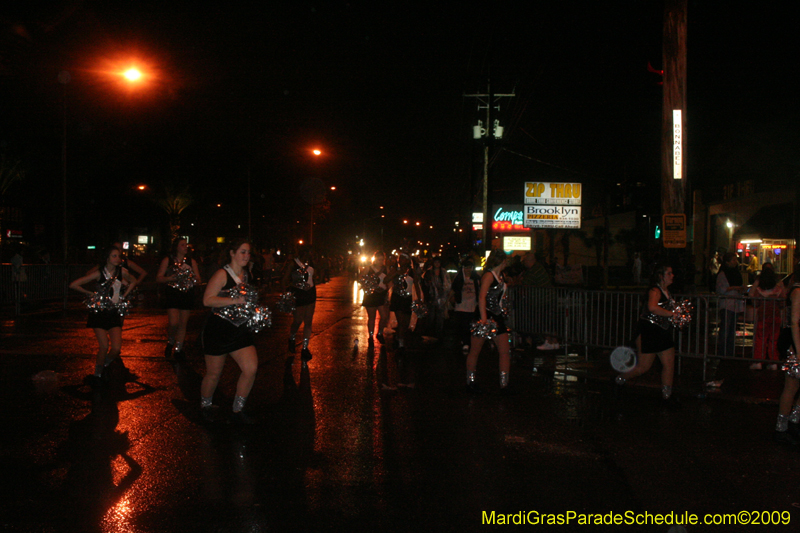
[
  {"x": 637, "y": 269},
  {"x": 765, "y": 342},
  {"x": 464, "y": 294},
  {"x": 713, "y": 269},
  {"x": 535, "y": 275}
]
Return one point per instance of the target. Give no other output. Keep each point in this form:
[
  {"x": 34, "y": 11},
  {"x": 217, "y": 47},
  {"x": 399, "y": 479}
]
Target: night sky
[{"x": 237, "y": 89}]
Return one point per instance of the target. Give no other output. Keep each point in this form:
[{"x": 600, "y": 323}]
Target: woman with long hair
[
  {"x": 655, "y": 333},
  {"x": 490, "y": 307},
  {"x": 403, "y": 281},
  {"x": 222, "y": 337},
  {"x": 299, "y": 279},
  {"x": 375, "y": 298},
  {"x": 181, "y": 274},
  {"x": 107, "y": 323}
]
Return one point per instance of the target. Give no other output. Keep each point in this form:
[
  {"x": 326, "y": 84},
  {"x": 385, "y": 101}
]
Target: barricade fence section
[
  {"x": 742, "y": 328},
  {"x": 37, "y": 283}
]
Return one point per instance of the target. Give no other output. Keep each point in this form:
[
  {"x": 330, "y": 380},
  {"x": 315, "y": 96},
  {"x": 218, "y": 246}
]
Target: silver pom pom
[
  {"x": 286, "y": 303},
  {"x": 184, "y": 278},
  {"x": 300, "y": 278},
  {"x": 419, "y": 308},
  {"x": 487, "y": 330},
  {"x": 102, "y": 300},
  {"x": 684, "y": 317},
  {"x": 249, "y": 312},
  {"x": 791, "y": 366},
  {"x": 260, "y": 318},
  {"x": 369, "y": 283}
]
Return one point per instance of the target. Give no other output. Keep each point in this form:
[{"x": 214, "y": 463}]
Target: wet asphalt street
[{"x": 333, "y": 452}]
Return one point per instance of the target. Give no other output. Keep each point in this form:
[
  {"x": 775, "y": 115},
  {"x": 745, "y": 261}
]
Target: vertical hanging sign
[{"x": 677, "y": 144}]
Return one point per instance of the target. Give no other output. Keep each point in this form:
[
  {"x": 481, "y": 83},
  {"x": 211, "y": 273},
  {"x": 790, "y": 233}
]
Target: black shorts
[
  {"x": 175, "y": 299},
  {"x": 104, "y": 320},
  {"x": 302, "y": 297},
  {"x": 500, "y": 321},
  {"x": 400, "y": 304},
  {"x": 220, "y": 337},
  {"x": 376, "y": 299},
  {"x": 655, "y": 339}
]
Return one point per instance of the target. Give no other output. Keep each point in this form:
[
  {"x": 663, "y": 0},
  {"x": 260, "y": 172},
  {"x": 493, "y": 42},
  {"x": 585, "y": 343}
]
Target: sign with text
[
  {"x": 553, "y": 193},
  {"x": 677, "y": 144},
  {"x": 553, "y": 216},
  {"x": 508, "y": 218},
  {"x": 674, "y": 231},
  {"x": 517, "y": 243}
]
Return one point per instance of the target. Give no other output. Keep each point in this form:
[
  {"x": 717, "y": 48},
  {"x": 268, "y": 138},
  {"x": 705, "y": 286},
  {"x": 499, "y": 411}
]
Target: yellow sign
[
  {"x": 552, "y": 193},
  {"x": 674, "y": 231}
]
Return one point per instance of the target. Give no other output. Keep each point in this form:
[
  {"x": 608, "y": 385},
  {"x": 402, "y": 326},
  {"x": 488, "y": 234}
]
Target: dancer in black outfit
[
  {"x": 181, "y": 274},
  {"x": 221, "y": 337},
  {"x": 299, "y": 279},
  {"x": 490, "y": 306},
  {"x": 655, "y": 334},
  {"x": 107, "y": 324},
  {"x": 376, "y": 301}
]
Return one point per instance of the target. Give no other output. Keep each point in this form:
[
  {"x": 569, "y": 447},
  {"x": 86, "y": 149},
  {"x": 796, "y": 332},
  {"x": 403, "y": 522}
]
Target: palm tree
[{"x": 174, "y": 199}]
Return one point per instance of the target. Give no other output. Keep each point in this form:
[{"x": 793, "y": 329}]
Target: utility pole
[
  {"x": 487, "y": 101},
  {"x": 673, "y": 139}
]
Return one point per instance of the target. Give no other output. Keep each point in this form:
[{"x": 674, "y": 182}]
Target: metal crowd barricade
[
  {"x": 39, "y": 283},
  {"x": 722, "y": 328}
]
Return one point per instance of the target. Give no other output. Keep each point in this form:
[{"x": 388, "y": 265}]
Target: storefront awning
[{"x": 769, "y": 222}]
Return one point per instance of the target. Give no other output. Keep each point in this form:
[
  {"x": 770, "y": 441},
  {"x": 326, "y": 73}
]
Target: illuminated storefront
[{"x": 779, "y": 252}]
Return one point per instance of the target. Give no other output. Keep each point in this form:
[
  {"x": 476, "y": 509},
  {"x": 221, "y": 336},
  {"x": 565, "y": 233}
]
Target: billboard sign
[
  {"x": 553, "y": 216},
  {"x": 553, "y": 193}
]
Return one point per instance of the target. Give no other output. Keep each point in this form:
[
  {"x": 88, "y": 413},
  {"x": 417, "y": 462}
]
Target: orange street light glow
[{"x": 132, "y": 74}]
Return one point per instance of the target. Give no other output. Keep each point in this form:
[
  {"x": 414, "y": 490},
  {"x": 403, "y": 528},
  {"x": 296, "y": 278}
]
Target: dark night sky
[{"x": 380, "y": 88}]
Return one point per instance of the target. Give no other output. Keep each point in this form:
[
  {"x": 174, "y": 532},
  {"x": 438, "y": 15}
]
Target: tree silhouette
[{"x": 174, "y": 199}]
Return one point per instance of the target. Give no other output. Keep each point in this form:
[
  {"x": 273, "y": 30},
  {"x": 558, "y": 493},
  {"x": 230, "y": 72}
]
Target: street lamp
[{"x": 133, "y": 76}]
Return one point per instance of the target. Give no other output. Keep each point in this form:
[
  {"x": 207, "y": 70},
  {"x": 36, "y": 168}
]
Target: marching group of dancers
[
  {"x": 390, "y": 286},
  {"x": 225, "y": 332},
  {"x": 395, "y": 287}
]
